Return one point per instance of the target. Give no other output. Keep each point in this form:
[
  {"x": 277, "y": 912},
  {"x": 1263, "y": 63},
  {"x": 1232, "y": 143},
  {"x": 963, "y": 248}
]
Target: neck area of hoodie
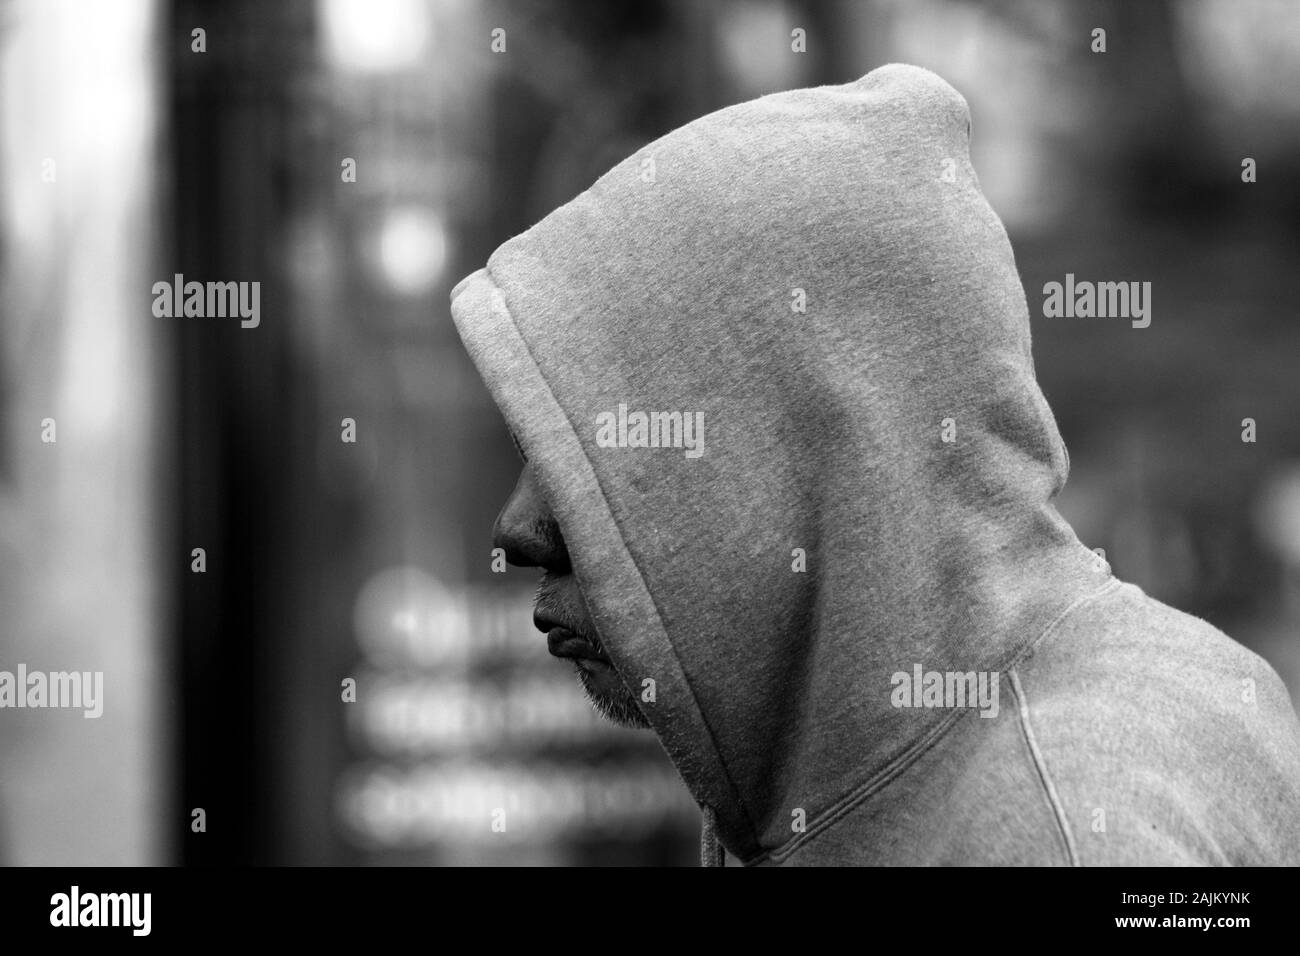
[{"x": 818, "y": 275}]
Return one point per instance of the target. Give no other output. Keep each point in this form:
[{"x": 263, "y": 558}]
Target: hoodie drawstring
[{"x": 711, "y": 852}]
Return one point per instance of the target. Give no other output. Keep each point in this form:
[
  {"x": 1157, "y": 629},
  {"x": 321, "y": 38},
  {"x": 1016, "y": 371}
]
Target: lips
[
  {"x": 565, "y": 642},
  {"x": 562, "y": 642}
]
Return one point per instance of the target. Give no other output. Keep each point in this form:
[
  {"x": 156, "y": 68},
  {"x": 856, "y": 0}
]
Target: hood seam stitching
[{"x": 695, "y": 700}]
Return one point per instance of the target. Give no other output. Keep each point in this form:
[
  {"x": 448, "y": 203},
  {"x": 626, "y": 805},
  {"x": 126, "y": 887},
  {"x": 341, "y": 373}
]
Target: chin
[{"x": 610, "y": 696}]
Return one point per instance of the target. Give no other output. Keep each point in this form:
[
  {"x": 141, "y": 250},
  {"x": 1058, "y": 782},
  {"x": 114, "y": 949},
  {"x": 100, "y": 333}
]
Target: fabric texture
[{"x": 816, "y": 278}]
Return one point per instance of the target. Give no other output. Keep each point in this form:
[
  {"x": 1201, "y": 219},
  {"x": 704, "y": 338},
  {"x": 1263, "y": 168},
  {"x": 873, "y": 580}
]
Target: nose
[{"x": 527, "y": 531}]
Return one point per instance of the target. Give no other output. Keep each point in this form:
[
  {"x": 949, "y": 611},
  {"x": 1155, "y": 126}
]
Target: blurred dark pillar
[{"x": 229, "y": 116}]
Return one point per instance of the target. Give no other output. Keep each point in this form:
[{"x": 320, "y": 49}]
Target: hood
[{"x": 816, "y": 281}]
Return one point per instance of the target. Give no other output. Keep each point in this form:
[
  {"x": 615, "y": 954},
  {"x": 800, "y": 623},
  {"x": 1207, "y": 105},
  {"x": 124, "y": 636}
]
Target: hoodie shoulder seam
[
  {"x": 899, "y": 765},
  {"x": 1040, "y": 767}
]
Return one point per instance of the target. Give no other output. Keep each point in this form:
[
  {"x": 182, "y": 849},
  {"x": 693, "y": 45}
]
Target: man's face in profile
[{"x": 527, "y": 532}]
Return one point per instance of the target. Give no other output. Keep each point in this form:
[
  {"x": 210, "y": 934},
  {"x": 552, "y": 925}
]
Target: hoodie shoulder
[{"x": 1167, "y": 741}]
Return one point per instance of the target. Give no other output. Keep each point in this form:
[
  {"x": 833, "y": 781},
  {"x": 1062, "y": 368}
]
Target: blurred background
[{"x": 357, "y": 157}]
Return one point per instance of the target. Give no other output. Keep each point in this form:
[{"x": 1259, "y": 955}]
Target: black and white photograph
[{"x": 649, "y": 435}]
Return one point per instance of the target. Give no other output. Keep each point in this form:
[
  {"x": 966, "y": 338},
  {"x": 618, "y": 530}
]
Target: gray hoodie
[{"x": 774, "y": 374}]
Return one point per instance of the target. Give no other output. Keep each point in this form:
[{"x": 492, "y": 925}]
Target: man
[{"x": 790, "y": 476}]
